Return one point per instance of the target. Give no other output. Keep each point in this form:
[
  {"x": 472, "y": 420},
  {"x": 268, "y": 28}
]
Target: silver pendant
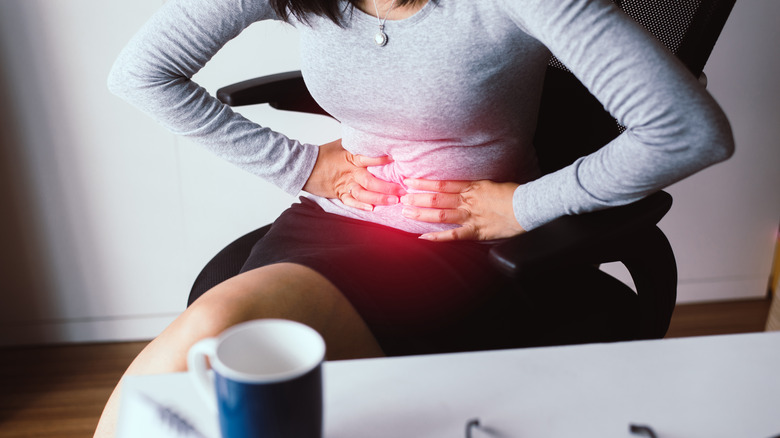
[{"x": 380, "y": 38}]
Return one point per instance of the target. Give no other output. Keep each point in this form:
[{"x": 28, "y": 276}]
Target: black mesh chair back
[{"x": 689, "y": 28}]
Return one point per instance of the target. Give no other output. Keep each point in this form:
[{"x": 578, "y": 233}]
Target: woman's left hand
[{"x": 482, "y": 208}]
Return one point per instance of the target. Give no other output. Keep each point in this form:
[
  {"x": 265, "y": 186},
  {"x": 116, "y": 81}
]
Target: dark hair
[{"x": 324, "y": 8}]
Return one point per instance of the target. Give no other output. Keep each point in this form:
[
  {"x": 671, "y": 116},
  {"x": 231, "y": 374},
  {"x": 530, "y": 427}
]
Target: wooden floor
[{"x": 59, "y": 391}]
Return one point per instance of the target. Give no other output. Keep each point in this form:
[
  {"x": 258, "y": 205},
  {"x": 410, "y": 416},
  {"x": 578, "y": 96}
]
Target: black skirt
[
  {"x": 424, "y": 296},
  {"x": 396, "y": 281}
]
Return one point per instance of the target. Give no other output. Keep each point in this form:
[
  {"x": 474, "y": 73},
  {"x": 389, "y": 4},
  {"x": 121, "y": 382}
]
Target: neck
[{"x": 398, "y": 12}]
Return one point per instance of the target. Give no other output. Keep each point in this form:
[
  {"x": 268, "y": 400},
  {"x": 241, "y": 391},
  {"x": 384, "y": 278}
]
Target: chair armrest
[
  {"x": 591, "y": 238},
  {"x": 284, "y": 91}
]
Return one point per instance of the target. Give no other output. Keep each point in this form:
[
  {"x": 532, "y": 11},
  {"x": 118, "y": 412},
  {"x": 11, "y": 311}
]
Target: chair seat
[{"x": 226, "y": 264}]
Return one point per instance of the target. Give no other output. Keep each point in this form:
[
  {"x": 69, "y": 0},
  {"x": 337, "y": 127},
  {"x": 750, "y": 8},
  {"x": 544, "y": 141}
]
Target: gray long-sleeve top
[{"x": 453, "y": 95}]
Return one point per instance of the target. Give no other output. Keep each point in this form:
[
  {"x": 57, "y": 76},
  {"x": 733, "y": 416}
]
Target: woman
[{"x": 437, "y": 101}]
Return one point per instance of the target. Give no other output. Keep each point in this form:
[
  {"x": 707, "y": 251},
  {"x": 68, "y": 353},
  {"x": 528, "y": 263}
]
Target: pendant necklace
[{"x": 381, "y": 37}]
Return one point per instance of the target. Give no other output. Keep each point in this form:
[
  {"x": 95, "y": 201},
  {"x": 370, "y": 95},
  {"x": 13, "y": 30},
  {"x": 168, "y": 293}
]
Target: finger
[
  {"x": 439, "y": 216},
  {"x": 432, "y": 200},
  {"x": 352, "y": 202},
  {"x": 437, "y": 186},
  {"x": 364, "y": 161},
  {"x": 462, "y": 233},
  {"x": 363, "y": 195},
  {"x": 374, "y": 184},
  {"x": 350, "y": 199}
]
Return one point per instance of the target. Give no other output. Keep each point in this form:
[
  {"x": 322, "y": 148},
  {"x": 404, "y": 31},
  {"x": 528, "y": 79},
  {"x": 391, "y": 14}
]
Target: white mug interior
[{"x": 268, "y": 350}]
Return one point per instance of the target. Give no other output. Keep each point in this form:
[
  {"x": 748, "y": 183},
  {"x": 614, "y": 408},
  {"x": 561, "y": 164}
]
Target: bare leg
[{"x": 283, "y": 290}]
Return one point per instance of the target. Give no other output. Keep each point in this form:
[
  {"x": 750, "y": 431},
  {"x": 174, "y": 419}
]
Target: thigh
[{"x": 288, "y": 291}]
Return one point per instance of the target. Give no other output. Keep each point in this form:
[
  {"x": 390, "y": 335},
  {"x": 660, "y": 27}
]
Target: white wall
[
  {"x": 118, "y": 215},
  {"x": 107, "y": 218}
]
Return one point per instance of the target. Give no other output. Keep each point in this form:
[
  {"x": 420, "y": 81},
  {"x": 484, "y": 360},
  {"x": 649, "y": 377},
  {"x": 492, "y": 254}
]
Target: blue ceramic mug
[{"x": 267, "y": 379}]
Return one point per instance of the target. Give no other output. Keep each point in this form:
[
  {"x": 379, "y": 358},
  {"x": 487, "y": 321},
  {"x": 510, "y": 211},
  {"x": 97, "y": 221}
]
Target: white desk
[{"x": 708, "y": 387}]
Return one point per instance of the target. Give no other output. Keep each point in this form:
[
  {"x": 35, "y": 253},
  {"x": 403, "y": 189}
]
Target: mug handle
[{"x": 198, "y": 371}]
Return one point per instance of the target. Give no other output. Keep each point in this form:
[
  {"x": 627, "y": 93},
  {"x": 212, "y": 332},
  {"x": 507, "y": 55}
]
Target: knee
[
  {"x": 237, "y": 300},
  {"x": 208, "y": 317}
]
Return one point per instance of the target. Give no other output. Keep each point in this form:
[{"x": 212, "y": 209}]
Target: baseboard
[
  {"x": 721, "y": 289},
  {"x": 133, "y": 328},
  {"x": 706, "y": 289}
]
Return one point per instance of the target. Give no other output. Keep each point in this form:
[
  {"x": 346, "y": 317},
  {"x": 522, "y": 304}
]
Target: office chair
[{"x": 574, "y": 245}]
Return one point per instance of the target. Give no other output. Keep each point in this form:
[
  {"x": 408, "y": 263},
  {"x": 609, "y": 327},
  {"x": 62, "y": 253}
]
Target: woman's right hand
[{"x": 342, "y": 175}]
